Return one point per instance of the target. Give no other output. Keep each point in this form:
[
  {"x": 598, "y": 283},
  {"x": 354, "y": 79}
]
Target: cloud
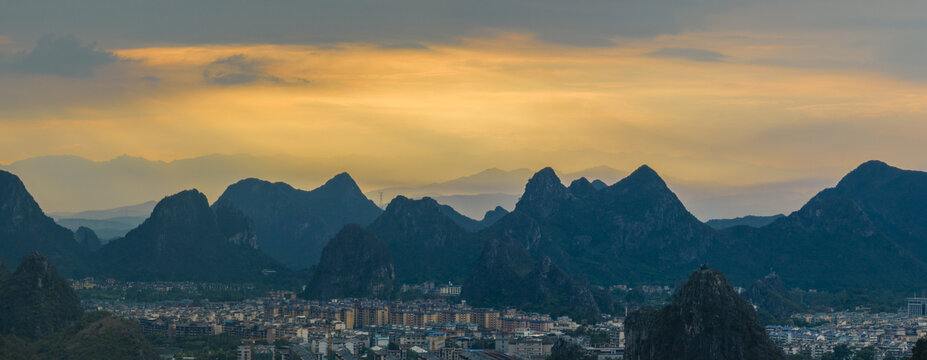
[
  {"x": 689, "y": 54},
  {"x": 62, "y": 56},
  {"x": 239, "y": 69},
  {"x": 151, "y": 79}
]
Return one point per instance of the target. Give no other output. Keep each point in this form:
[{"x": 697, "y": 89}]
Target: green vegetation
[
  {"x": 41, "y": 318},
  {"x": 152, "y": 295},
  {"x": 849, "y": 299},
  {"x": 920, "y": 350},
  {"x": 804, "y": 355},
  {"x": 483, "y": 344},
  {"x": 98, "y": 335},
  {"x": 824, "y": 301},
  {"x": 596, "y": 338},
  {"x": 638, "y": 298},
  {"x": 567, "y": 350},
  {"x": 413, "y": 294},
  {"x": 216, "y": 347},
  {"x": 36, "y": 301}
]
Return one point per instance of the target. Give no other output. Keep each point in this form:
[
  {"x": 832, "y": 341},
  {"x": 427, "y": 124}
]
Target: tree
[
  {"x": 484, "y": 343},
  {"x": 282, "y": 342},
  {"x": 841, "y": 352},
  {"x": 866, "y": 353},
  {"x": 568, "y": 350},
  {"x": 803, "y": 355},
  {"x": 920, "y": 350}
]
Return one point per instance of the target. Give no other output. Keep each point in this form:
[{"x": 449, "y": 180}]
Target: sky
[{"x": 730, "y": 93}]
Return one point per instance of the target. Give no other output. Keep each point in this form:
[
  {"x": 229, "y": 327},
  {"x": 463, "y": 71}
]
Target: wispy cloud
[
  {"x": 689, "y": 54},
  {"x": 239, "y": 69}
]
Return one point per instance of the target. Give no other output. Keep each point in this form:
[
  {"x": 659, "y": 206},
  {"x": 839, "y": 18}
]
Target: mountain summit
[
  {"x": 342, "y": 184},
  {"x": 869, "y": 175},
  {"x": 543, "y": 194}
]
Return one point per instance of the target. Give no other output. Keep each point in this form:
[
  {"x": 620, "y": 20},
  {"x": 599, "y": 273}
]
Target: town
[
  {"x": 436, "y": 328},
  {"x": 444, "y": 327}
]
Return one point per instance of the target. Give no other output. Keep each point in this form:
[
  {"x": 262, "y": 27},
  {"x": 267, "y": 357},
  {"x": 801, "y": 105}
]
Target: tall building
[{"x": 917, "y": 307}]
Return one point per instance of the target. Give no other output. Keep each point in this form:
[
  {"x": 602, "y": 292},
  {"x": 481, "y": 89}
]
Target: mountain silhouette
[
  {"x": 294, "y": 225},
  {"x": 427, "y": 244},
  {"x": 354, "y": 264},
  {"x": 24, "y": 229},
  {"x": 182, "y": 240}
]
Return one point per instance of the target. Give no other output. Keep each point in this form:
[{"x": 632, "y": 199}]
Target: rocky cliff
[{"x": 706, "y": 320}]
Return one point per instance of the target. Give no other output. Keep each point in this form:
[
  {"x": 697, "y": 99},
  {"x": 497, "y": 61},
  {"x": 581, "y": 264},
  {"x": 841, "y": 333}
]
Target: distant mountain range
[
  {"x": 108, "y": 223},
  {"x": 563, "y": 241},
  {"x": 475, "y": 194},
  {"x": 69, "y": 183},
  {"x": 750, "y": 220}
]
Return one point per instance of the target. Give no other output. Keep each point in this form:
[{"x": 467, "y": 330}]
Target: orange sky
[{"x": 507, "y": 100}]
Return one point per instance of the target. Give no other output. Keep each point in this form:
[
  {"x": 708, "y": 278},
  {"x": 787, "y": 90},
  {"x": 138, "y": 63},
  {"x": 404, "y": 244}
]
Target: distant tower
[{"x": 381, "y": 199}]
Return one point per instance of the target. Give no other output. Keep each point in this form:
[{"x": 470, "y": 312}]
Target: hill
[
  {"x": 42, "y": 318},
  {"x": 35, "y": 301},
  {"x": 706, "y": 320}
]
